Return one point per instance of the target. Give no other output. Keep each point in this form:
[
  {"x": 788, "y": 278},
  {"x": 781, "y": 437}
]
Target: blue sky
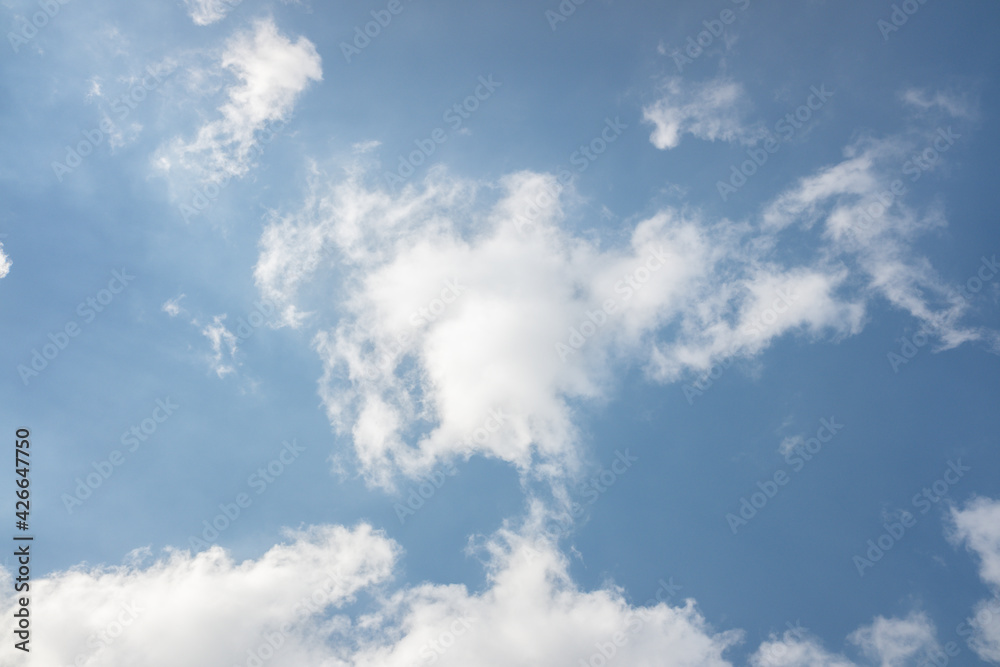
[{"x": 498, "y": 321}]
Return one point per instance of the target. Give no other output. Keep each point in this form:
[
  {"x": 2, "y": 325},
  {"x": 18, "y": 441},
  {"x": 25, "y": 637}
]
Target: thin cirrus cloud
[
  {"x": 712, "y": 111},
  {"x": 224, "y": 346},
  {"x": 271, "y": 71},
  {"x": 853, "y": 204}
]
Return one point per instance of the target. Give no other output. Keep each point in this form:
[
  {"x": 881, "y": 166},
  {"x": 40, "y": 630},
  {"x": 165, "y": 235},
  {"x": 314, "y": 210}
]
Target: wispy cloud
[
  {"x": 712, "y": 111},
  {"x": 272, "y": 72}
]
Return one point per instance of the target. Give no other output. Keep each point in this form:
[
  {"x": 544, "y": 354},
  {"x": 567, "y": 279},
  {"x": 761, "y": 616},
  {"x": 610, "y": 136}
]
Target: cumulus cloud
[
  {"x": 893, "y": 642},
  {"x": 288, "y": 607},
  {"x": 204, "y": 609},
  {"x": 326, "y": 596},
  {"x": 272, "y": 72},
  {"x": 886, "y": 642},
  {"x": 470, "y": 321},
  {"x": 711, "y": 111},
  {"x": 977, "y": 526},
  {"x": 796, "y": 648},
  {"x": 206, "y": 12}
]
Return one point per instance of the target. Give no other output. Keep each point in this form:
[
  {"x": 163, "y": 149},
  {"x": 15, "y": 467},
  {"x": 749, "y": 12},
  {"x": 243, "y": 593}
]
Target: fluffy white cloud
[
  {"x": 886, "y": 642},
  {"x": 463, "y": 317},
  {"x": 205, "y": 12},
  {"x": 206, "y": 610},
  {"x": 712, "y": 111},
  {"x": 290, "y": 607},
  {"x": 977, "y": 526},
  {"x": 469, "y": 320},
  {"x": 796, "y": 648},
  {"x": 894, "y": 642},
  {"x": 272, "y": 71},
  {"x": 202, "y": 609}
]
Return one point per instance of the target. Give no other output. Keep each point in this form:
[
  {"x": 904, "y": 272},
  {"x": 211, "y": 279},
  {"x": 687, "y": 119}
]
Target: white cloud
[
  {"x": 172, "y": 307},
  {"x": 977, "y": 526},
  {"x": 886, "y": 642},
  {"x": 5, "y": 262},
  {"x": 789, "y": 444},
  {"x": 207, "y": 610},
  {"x": 954, "y": 105},
  {"x": 711, "y": 111},
  {"x": 205, "y": 12},
  {"x": 272, "y": 72},
  {"x": 223, "y": 346},
  {"x": 529, "y": 313},
  {"x": 796, "y": 649},
  {"x": 866, "y": 223},
  {"x": 519, "y": 300},
  {"x": 894, "y": 642},
  {"x": 203, "y": 609}
]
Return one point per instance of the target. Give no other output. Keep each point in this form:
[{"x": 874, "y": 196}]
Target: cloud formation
[
  {"x": 712, "y": 111},
  {"x": 272, "y": 72},
  {"x": 206, "y": 12},
  {"x": 5, "y": 263},
  {"x": 977, "y": 526},
  {"x": 466, "y": 330}
]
